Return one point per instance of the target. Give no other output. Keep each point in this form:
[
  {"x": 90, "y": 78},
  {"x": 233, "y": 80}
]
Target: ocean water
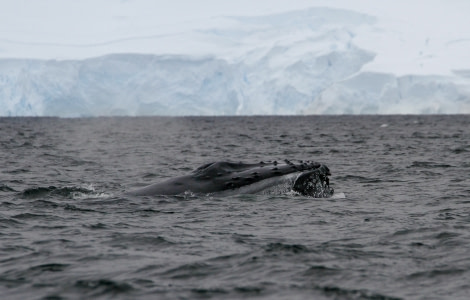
[{"x": 399, "y": 229}]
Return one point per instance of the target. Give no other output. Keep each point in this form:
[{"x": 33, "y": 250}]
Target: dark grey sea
[{"x": 399, "y": 229}]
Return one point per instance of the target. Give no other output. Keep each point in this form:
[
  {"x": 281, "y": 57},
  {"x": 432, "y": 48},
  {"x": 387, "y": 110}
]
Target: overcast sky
[{"x": 70, "y": 29}]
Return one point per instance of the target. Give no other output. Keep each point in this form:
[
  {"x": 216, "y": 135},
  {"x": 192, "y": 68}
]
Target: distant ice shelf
[{"x": 303, "y": 62}]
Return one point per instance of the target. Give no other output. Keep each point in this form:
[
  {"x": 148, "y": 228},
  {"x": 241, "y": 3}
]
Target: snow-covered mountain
[{"x": 312, "y": 61}]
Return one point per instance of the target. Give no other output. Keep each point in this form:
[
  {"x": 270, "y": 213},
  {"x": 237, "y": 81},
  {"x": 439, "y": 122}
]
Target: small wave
[
  {"x": 40, "y": 203},
  {"x": 71, "y": 207},
  {"x": 5, "y": 188},
  {"x": 97, "y": 226},
  {"x": 32, "y": 216},
  {"x": 249, "y": 289},
  {"x": 243, "y": 291},
  {"x": 147, "y": 240},
  {"x": 52, "y": 267},
  {"x": 73, "y": 192},
  {"x": 201, "y": 292},
  {"x": 17, "y": 171},
  {"x": 8, "y": 222},
  {"x": 460, "y": 149},
  {"x": 103, "y": 286},
  {"x": 37, "y": 192},
  {"x": 280, "y": 247},
  {"x": 350, "y": 294},
  {"x": 451, "y": 239},
  {"x": 360, "y": 179},
  {"x": 321, "y": 271},
  {"x": 19, "y": 276},
  {"x": 191, "y": 270},
  {"x": 436, "y": 273},
  {"x": 428, "y": 164}
]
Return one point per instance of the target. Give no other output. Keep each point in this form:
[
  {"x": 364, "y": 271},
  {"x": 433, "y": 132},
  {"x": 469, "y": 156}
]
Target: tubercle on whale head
[{"x": 325, "y": 170}]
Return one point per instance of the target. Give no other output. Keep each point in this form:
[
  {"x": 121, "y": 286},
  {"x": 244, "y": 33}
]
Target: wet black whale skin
[{"x": 225, "y": 175}]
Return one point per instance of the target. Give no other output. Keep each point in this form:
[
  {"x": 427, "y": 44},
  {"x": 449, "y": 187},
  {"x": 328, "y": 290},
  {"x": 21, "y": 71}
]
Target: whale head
[{"x": 308, "y": 178}]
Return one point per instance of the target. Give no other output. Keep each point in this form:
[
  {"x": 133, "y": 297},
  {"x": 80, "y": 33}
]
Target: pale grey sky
[{"x": 69, "y": 29}]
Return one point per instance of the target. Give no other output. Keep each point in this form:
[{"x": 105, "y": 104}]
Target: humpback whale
[{"x": 308, "y": 178}]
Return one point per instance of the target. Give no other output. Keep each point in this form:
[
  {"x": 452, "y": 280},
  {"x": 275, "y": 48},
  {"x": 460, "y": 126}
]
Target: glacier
[{"x": 302, "y": 62}]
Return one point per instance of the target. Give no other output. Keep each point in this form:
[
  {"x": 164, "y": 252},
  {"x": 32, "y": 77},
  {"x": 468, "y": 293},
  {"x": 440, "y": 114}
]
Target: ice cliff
[{"x": 304, "y": 62}]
